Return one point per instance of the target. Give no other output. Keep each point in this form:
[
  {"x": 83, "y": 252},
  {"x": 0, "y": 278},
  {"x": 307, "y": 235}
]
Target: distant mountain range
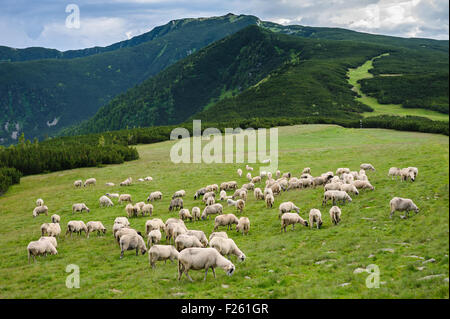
[{"x": 216, "y": 68}]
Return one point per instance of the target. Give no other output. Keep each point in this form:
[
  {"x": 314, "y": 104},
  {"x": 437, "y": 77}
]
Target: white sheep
[
  {"x": 218, "y": 234},
  {"x": 184, "y": 241},
  {"x": 226, "y": 247},
  {"x": 117, "y": 227},
  {"x": 200, "y": 236},
  {"x": 76, "y": 226},
  {"x": 225, "y": 220},
  {"x": 185, "y": 214},
  {"x": 394, "y": 171},
  {"x": 256, "y": 179},
  {"x": 78, "y": 183},
  {"x": 336, "y": 196},
  {"x": 341, "y": 171},
  {"x": 335, "y": 214},
  {"x": 258, "y": 193},
  {"x": 210, "y": 201},
  {"x": 147, "y": 209},
  {"x": 402, "y": 204},
  {"x": 240, "y": 204},
  {"x": 366, "y": 166},
  {"x": 40, "y": 210},
  {"x": 105, "y": 201},
  {"x": 243, "y": 225},
  {"x": 349, "y": 188},
  {"x": 269, "y": 200},
  {"x": 202, "y": 258},
  {"x": 291, "y": 219},
  {"x": 112, "y": 195},
  {"x": 363, "y": 185},
  {"x": 124, "y": 198},
  {"x": 315, "y": 217},
  {"x": 140, "y": 179},
  {"x": 249, "y": 177},
  {"x": 155, "y": 223},
  {"x": 51, "y": 229},
  {"x": 154, "y": 237},
  {"x": 334, "y": 186},
  {"x": 287, "y": 207},
  {"x": 89, "y": 182},
  {"x": 239, "y": 171},
  {"x": 130, "y": 242},
  {"x": 148, "y": 178},
  {"x": 39, "y": 202},
  {"x": 176, "y": 203},
  {"x": 51, "y": 239},
  {"x": 406, "y": 173},
  {"x": 55, "y": 218},
  {"x": 162, "y": 252},
  {"x": 122, "y": 220},
  {"x": 126, "y": 182},
  {"x": 79, "y": 207},
  {"x": 211, "y": 210},
  {"x": 196, "y": 213},
  {"x": 154, "y": 196},
  {"x": 39, "y": 248},
  {"x": 306, "y": 170},
  {"x": 131, "y": 210},
  {"x": 93, "y": 226},
  {"x": 180, "y": 193}
]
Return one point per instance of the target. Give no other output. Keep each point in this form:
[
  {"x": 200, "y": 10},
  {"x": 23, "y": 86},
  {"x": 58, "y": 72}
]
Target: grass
[
  {"x": 303, "y": 263},
  {"x": 362, "y": 72}
]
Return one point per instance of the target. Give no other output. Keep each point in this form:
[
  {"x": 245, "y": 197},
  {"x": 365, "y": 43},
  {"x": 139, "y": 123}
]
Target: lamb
[
  {"x": 51, "y": 229},
  {"x": 185, "y": 214},
  {"x": 248, "y": 168},
  {"x": 239, "y": 171},
  {"x": 315, "y": 217},
  {"x": 341, "y": 171},
  {"x": 394, "y": 171},
  {"x": 130, "y": 242},
  {"x": 112, "y": 195},
  {"x": 405, "y": 173},
  {"x": 147, "y": 209},
  {"x": 39, "y": 202},
  {"x": 200, "y": 236},
  {"x": 256, "y": 179},
  {"x": 105, "y": 201},
  {"x": 155, "y": 223},
  {"x": 402, "y": 204},
  {"x": 162, "y": 252},
  {"x": 154, "y": 237},
  {"x": 202, "y": 191},
  {"x": 196, "y": 213},
  {"x": 223, "y": 195},
  {"x": 225, "y": 220},
  {"x": 226, "y": 246},
  {"x": 55, "y": 218},
  {"x": 335, "y": 214},
  {"x": 39, "y": 248},
  {"x": 258, "y": 194},
  {"x": 126, "y": 182},
  {"x": 176, "y": 203},
  {"x": 148, "y": 178},
  {"x": 249, "y": 177},
  {"x": 243, "y": 225},
  {"x": 51, "y": 240},
  {"x": 89, "y": 182},
  {"x": 367, "y": 166},
  {"x": 187, "y": 241},
  {"x": 218, "y": 234},
  {"x": 240, "y": 204},
  {"x": 213, "y": 209},
  {"x": 93, "y": 226},
  {"x": 40, "y": 210},
  {"x": 349, "y": 188},
  {"x": 154, "y": 196},
  {"x": 180, "y": 193},
  {"x": 76, "y": 226},
  {"x": 125, "y": 198},
  {"x": 78, "y": 183},
  {"x": 122, "y": 220},
  {"x": 269, "y": 200},
  {"x": 110, "y": 184},
  {"x": 286, "y": 207},
  {"x": 291, "y": 219},
  {"x": 363, "y": 185},
  {"x": 306, "y": 170}
]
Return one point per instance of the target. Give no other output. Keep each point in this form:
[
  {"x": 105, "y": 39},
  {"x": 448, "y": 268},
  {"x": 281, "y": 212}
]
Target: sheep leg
[
  {"x": 213, "y": 271},
  {"x": 392, "y": 214},
  {"x": 121, "y": 254},
  {"x": 206, "y": 272}
]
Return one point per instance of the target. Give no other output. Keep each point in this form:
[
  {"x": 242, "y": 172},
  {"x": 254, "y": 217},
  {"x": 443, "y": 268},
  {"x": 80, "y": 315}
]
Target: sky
[{"x": 46, "y": 23}]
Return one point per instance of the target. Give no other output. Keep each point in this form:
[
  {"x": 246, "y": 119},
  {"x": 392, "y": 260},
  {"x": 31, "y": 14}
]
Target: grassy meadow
[
  {"x": 304, "y": 263},
  {"x": 362, "y": 72}
]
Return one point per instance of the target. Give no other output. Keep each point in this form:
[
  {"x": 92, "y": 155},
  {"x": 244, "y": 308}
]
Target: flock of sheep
[{"x": 189, "y": 246}]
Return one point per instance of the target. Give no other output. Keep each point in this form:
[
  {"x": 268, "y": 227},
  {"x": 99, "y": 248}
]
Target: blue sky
[{"x": 103, "y": 22}]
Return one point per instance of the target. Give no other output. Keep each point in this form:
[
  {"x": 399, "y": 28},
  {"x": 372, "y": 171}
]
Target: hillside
[{"x": 304, "y": 263}]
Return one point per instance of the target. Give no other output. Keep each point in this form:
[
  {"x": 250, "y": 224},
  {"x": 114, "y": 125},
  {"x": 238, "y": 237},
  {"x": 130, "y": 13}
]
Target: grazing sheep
[
  {"x": 55, "y": 218},
  {"x": 256, "y": 179},
  {"x": 126, "y": 182},
  {"x": 202, "y": 258},
  {"x": 174, "y": 230},
  {"x": 394, "y": 171},
  {"x": 286, "y": 207},
  {"x": 105, "y": 201},
  {"x": 249, "y": 177},
  {"x": 269, "y": 200},
  {"x": 248, "y": 168},
  {"x": 286, "y": 175},
  {"x": 93, "y": 226},
  {"x": 211, "y": 210},
  {"x": 243, "y": 225},
  {"x": 122, "y": 220},
  {"x": 210, "y": 201},
  {"x": 315, "y": 217},
  {"x": 180, "y": 193},
  {"x": 335, "y": 214},
  {"x": 202, "y": 191},
  {"x": 367, "y": 166},
  {"x": 218, "y": 234},
  {"x": 185, "y": 214},
  {"x": 341, "y": 171},
  {"x": 148, "y": 178},
  {"x": 173, "y": 220},
  {"x": 125, "y": 198},
  {"x": 40, "y": 210},
  {"x": 405, "y": 173},
  {"x": 239, "y": 171},
  {"x": 306, "y": 170},
  {"x": 240, "y": 204},
  {"x": 333, "y": 186},
  {"x": 139, "y": 205},
  {"x": 415, "y": 170},
  {"x": 126, "y": 231},
  {"x": 112, "y": 195},
  {"x": 349, "y": 188},
  {"x": 155, "y": 223},
  {"x": 336, "y": 196},
  {"x": 283, "y": 184},
  {"x": 110, "y": 184},
  {"x": 225, "y": 220},
  {"x": 154, "y": 237},
  {"x": 223, "y": 195},
  {"x": 176, "y": 203},
  {"x": 226, "y": 247},
  {"x": 258, "y": 194},
  {"x": 116, "y": 228},
  {"x": 276, "y": 189},
  {"x": 363, "y": 185},
  {"x": 50, "y": 239},
  {"x": 291, "y": 219},
  {"x": 307, "y": 182},
  {"x": 294, "y": 183},
  {"x": 319, "y": 180},
  {"x": 402, "y": 204},
  {"x": 212, "y": 188},
  {"x": 51, "y": 229},
  {"x": 269, "y": 175},
  {"x": 39, "y": 202},
  {"x": 147, "y": 209},
  {"x": 130, "y": 242},
  {"x": 154, "y": 196},
  {"x": 39, "y": 248},
  {"x": 200, "y": 236},
  {"x": 162, "y": 252},
  {"x": 89, "y": 182},
  {"x": 78, "y": 183},
  {"x": 249, "y": 186},
  {"x": 184, "y": 241},
  {"x": 76, "y": 226},
  {"x": 131, "y": 210},
  {"x": 196, "y": 213}
]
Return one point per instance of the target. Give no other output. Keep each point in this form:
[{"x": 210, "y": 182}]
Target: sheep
[
  {"x": 213, "y": 209},
  {"x": 126, "y": 182},
  {"x": 105, "y": 201},
  {"x": 130, "y": 242},
  {"x": 210, "y": 201},
  {"x": 341, "y": 171},
  {"x": 122, "y": 220},
  {"x": 335, "y": 196},
  {"x": 240, "y": 204},
  {"x": 333, "y": 186},
  {"x": 76, "y": 226},
  {"x": 154, "y": 196},
  {"x": 315, "y": 217},
  {"x": 366, "y": 166},
  {"x": 218, "y": 234},
  {"x": 415, "y": 170},
  {"x": 225, "y": 220},
  {"x": 249, "y": 186},
  {"x": 131, "y": 210},
  {"x": 258, "y": 194},
  {"x": 394, "y": 171},
  {"x": 208, "y": 195},
  {"x": 239, "y": 171},
  {"x": 243, "y": 225},
  {"x": 402, "y": 204},
  {"x": 286, "y": 175},
  {"x": 50, "y": 239},
  {"x": 286, "y": 207},
  {"x": 40, "y": 210},
  {"x": 176, "y": 203},
  {"x": 162, "y": 252},
  {"x": 307, "y": 182},
  {"x": 110, "y": 184},
  {"x": 405, "y": 173},
  {"x": 196, "y": 213},
  {"x": 55, "y": 218},
  {"x": 40, "y": 247},
  {"x": 212, "y": 188},
  {"x": 174, "y": 230},
  {"x": 185, "y": 214},
  {"x": 78, "y": 183},
  {"x": 248, "y": 168},
  {"x": 89, "y": 182},
  {"x": 117, "y": 227},
  {"x": 256, "y": 179},
  {"x": 277, "y": 173},
  {"x": 139, "y": 205},
  {"x": 249, "y": 177},
  {"x": 140, "y": 179},
  {"x": 363, "y": 185},
  {"x": 231, "y": 202},
  {"x": 93, "y": 226},
  {"x": 226, "y": 246},
  {"x": 79, "y": 207},
  {"x": 147, "y": 209},
  {"x": 187, "y": 241},
  {"x": 243, "y": 194},
  {"x": 153, "y": 224},
  {"x": 267, "y": 191},
  {"x": 294, "y": 183},
  {"x": 349, "y": 188},
  {"x": 126, "y": 231},
  {"x": 124, "y": 198},
  {"x": 335, "y": 214},
  {"x": 201, "y": 192},
  {"x": 306, "y": 170},
  {"x": 276, "y": 189},
  {"x": 154, "y": 237},
  {"x": 202, "y": 258},
  {"x": 200, "y": 236},
  {"x": 291, "y": 219},
  {"x": 51, "y": 229},
  {"x": 112, "y": 195},
  {"x": 173, "y": 220},
  {"x": 39, "y": 202},
  {"x": 222, "y": 195},
  {"x": 269, "y": 200},
  {"x": 180, "y": 193},
  {"x": 283, "y": 184}
]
